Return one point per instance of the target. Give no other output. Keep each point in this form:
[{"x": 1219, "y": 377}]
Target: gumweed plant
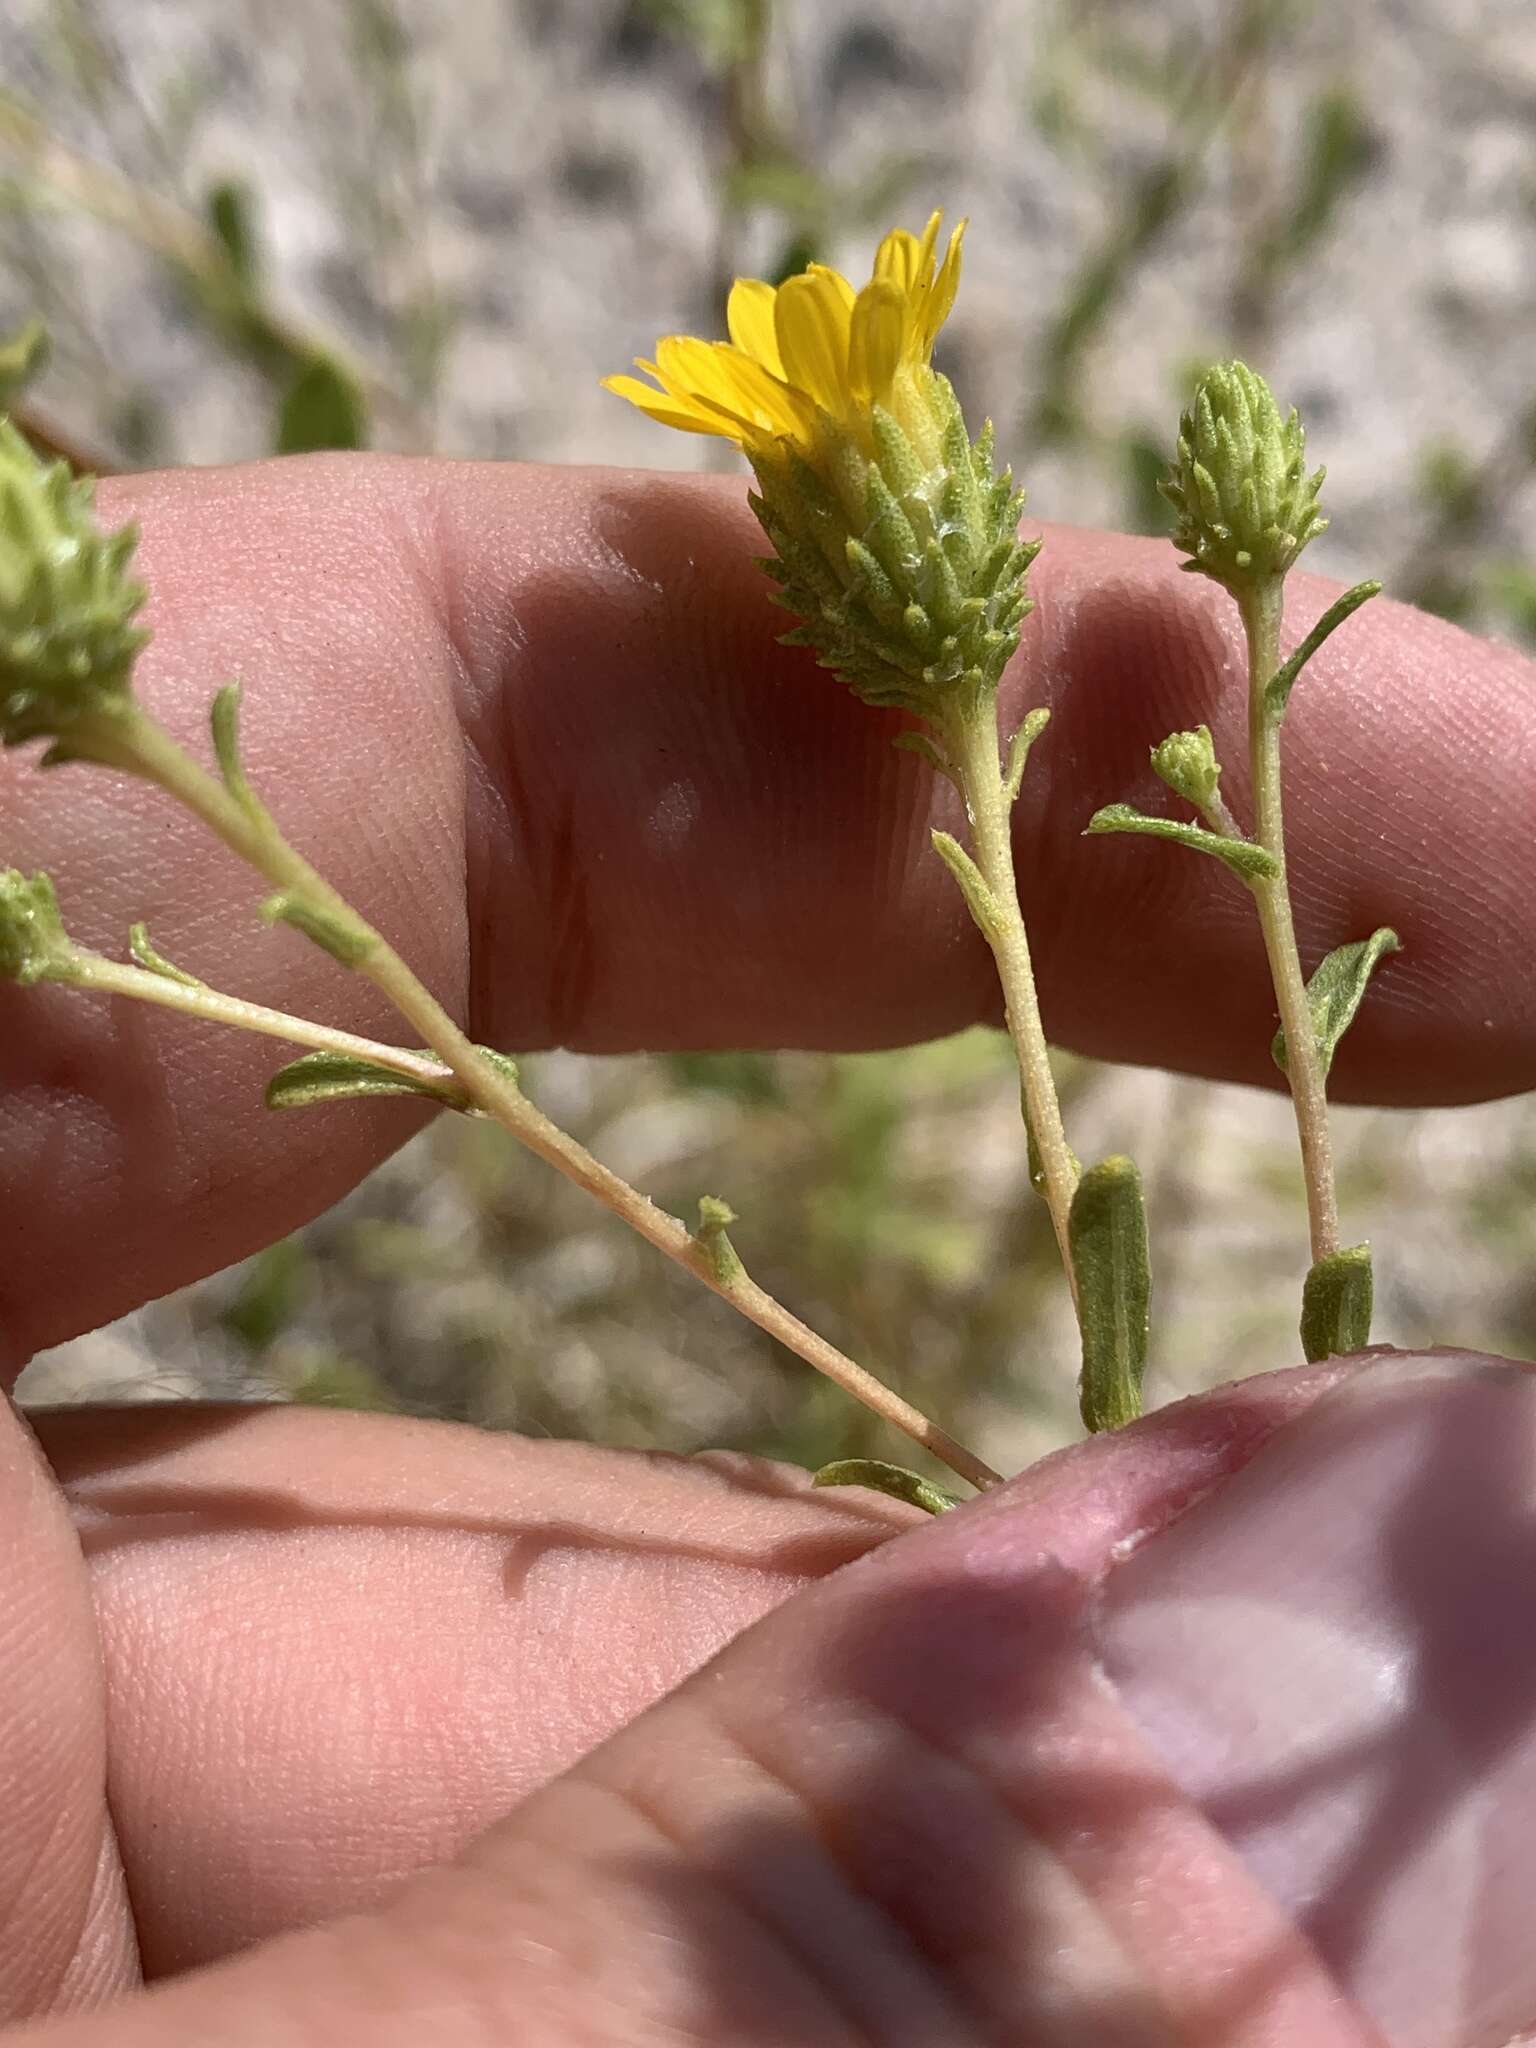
[{"x": 895, "y": 545}]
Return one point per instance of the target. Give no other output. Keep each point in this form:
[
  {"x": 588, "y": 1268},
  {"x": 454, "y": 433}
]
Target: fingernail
[{"x": 1334, "y": 1655}]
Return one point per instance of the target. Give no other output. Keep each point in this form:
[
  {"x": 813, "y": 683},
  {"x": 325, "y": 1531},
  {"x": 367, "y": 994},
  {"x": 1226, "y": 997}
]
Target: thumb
[{"x": 1218, "y": 1733}]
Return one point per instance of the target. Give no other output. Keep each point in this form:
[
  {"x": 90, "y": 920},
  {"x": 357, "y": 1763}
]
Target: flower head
[
  {"x": 810, "y": 349},
  {"x": 1245, "y": 504},
  {"x": 33, "y": 942},
  {"x": 896, "y": 542},
  {"x": 67, "y": 603}
]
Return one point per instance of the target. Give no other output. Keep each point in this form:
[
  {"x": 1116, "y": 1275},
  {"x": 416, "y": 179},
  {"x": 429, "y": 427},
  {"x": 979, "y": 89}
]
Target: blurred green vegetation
[{"x": 884, "y": 1197}]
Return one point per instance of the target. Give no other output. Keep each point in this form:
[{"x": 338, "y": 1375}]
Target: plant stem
[
  {"x": 116, "y": 978},
  {"x": 142, "y": 746},
  {"x": 971, "y": 742},
  {"x": 1261, "y": 609}
]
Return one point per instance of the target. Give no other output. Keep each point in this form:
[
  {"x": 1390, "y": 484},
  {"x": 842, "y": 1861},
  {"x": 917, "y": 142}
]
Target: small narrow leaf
[
  {"x": 1107, "y": 1234},
  {"x": 894, "y": 1480},
  {"x": 344, "y": 937},
  {"x": 145, "y": 954},
  {"x": 324, "y": 407},
  {"x": 715, "y": 1219},
  {"x": 224, "y": 723},
  {"x": 1336, "y": 1305},
  {"x": 1018, "y": 750},
  {"x": 338, "y": 1077},
  {"x": 979, "y": 899},
  {"x": 1283, "y": 680},
  {"x": 920, "y": 744},
  {"x": 1334, "y": 993},
  {"x": 1246, "y": 860}
]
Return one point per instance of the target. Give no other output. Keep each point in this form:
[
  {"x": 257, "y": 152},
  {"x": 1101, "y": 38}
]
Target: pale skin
[{"x": 258, "y": 1671}]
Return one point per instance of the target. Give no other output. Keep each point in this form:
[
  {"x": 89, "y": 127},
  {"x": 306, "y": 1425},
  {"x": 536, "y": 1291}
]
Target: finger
[
  {"x": 535, "y": 723},
  {"x": 337, "y": 1647},
  {"x": 66, "y": 1938},
  {"x": 1266, "y": 1779}
]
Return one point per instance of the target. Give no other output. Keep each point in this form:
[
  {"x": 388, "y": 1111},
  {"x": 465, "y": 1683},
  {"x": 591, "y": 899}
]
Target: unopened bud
[{"x": 1246, "y": 506}]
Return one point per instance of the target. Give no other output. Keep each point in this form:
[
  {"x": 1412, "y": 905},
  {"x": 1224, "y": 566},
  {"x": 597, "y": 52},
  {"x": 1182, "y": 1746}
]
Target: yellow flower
[
  {"x": 895, "y": 539},
  {"x": 811, "y": 350}
]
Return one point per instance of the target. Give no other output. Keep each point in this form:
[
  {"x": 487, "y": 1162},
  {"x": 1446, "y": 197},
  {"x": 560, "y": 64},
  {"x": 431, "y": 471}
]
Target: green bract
[
  {"x": 1245, "y": 504},
  {"x": 908, "y": 574},
  {"x": 67, "y": 603}
]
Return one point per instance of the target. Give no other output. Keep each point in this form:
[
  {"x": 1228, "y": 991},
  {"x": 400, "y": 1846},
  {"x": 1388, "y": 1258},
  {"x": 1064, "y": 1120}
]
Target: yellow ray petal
[
  {"x": 940, "y": 296},
  {"x": 811, "y": 320},
  {"x": 878, "y": 340},
  {"x": 749, "y": 317},
  {"x": 927, "y": 246},
  {"x": 834, "y": 281},
  {"x": 660, "y": 407},
  {"x": 715, "y": 372},
  {"x": 897, "y": 258}
]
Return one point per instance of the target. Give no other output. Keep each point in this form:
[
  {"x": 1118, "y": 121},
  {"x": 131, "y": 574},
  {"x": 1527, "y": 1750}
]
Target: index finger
[{"x": 536, "y": 724}]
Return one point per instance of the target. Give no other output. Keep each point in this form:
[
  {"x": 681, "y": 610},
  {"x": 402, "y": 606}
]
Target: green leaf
[
  {"x": 1107, "y": 1236},
  {"x": 894, "y": 1480},
  {"x": 1336, "y": 1305},
  {"x": 919, "y": 743},
  {"x": 338, "y": 1077},
  {"x": 231, "y": 214},
  {"x": 1334, "y": 993},
  {"x": 979, "y": 899},
  {"x": 323, "y": 407},
  {"x": 341, "y": 934},
  {"x": 1281, "y": 683},
  {"x": 715, "y": 1218},
  {"x": 1018, "y": 750},
  {"x": 22, "y": 358},
  {"x": 156, "y": 963},
  {"x": 1246, "y": 860},
  {"x": 224, "y": 722}
]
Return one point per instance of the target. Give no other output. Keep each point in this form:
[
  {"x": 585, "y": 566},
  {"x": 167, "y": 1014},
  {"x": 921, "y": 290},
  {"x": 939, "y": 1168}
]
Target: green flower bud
[
  {"x": 900, "y": 552},
  {"x": 67, "y": 604},
  {"x": 1245, "y": 504},
  {"x": 33, "y": 941},
  {"x": 1187, "y": 762}
]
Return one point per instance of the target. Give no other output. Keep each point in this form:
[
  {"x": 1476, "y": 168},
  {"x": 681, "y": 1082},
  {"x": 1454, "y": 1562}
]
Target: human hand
[{"x": 261, "y": 1666}]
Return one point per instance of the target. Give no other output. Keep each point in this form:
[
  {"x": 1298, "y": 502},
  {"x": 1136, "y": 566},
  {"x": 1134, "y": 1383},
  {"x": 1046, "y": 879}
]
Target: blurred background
[{"x": 258, "y": 225}]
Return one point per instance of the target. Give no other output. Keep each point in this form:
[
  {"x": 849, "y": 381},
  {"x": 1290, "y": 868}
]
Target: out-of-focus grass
[{"x": 1196, "y": 166}]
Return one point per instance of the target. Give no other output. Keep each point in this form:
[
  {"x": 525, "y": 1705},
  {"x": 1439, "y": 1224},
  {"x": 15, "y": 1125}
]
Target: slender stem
[
  {"x": 1261, "y": 611},
  {"x": 971, "y": 743},
  {"x": 145, "y": 748},
  {"x": 116, "y": 978}
]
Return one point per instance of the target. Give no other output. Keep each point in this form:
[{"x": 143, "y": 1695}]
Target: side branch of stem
[{"x": 144, "y": 747}]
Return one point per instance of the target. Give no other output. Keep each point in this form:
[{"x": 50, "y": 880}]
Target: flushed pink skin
[
  {"x": 904, "y": 1807},
  {"x": 284, "y": 1660}
]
